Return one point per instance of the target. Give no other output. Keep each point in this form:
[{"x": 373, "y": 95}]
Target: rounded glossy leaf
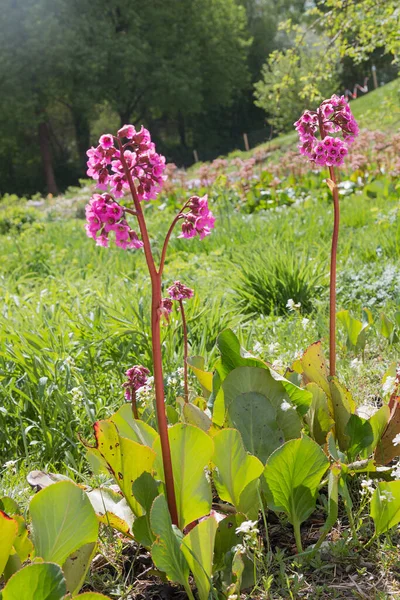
[
  {"x": 63, "y": 520},
  {"x": 41, "y": 581}
]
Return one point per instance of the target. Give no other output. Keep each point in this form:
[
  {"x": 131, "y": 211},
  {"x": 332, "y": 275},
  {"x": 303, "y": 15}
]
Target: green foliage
[
  {"x": 292, "y": 477},
  {"x": 237, "y": 474},
  {"x": 385, "y": 506},
  {"x": 198, "y": 549},
  {"x": 287, "y": 86},
  {"x": 43, "y": 581},
  {"x": 65, "y": 530},
  {"x": 268, "y": 281},
  {"x": 14, "y": 219},
  {"x": 191, "y": 451},
  {"x": 259, "y": 407},
  {"x": 166, "y": 550}
]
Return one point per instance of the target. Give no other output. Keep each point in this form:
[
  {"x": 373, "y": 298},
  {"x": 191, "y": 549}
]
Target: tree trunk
[
  {"x": 45, "y": 151},
  {"x": 82, "y": 134}
]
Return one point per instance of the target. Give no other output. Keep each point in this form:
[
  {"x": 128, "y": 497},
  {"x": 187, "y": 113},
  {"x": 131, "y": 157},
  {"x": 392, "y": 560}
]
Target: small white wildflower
[
  {"x": 285, "y": 406},
  {"x": 396, "y": 440},
  {"x": 356, "y": 363},
  {"x": 233, "y": 597},
  {"x": 291, "y": 304},
  {"x": 70, "y": 361},
  {"x": 258, "y": 348},
  {"x": 9, "y": 464},
  {"x": 273, "y": 347},
  {"x": 172, "y": 381},
  {"x": 180, "y": 371},
  {"x": 387, "y": 496},
  {"x": 305, "y": 322},
  {"x": 277, "y": 364},
  {"x": 298, "y": 354},
  {"x": 239, "y": 548},
  {"x": 389, "y": 385},
  {"x": 247, "y": 527},
  {"x": 367, "y": 486},
  {"x": 396, "y": 471}
]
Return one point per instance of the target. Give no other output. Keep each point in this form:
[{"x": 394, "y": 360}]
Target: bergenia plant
[
  {"x": 128, "y": 165},
  {"x": 318, "y": 141}
]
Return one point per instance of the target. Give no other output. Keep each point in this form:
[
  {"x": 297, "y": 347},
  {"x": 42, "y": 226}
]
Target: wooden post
[
  {"x": 196, "y": 156},
  {"x": 374, "y": 77},
  {"x": 246, "y": 142}
]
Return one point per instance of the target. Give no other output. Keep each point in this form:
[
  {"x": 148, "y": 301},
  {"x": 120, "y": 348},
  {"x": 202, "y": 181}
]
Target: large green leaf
[
  {"x": 292, "y": 476},
  {"x": 378, "y": 422},
  {"x": 313, "y": 367},
  {"x": 360, "y": 436},
  {"x": 385, "y": 506},
  {"x": 237, "y": 474},
  {"x": 42, "y": 581},
  {"x": 8, "y": 534},
  {"x": 77, "y": 565},
  {"x": 198, "y": 549},
  {"x": 112, "y": 509},
  {"x": 133, "y": 429},
  {"x": 341, "y": 406},
  {"x": 385, "y": 449},
  {"x": 126, "y": 460},
  {"x": 196, "y": 363},
  {"x": 166, "y": 550},
  {"x": 191, "y": 452},
  {"x": 318, "y": 417},
  {"x": 354, "y": 328},
  {"x": 260, "y": 408},
  {"x": 226, "y": 538},
  {"x": 63, "y": 520},
  {"x": 145, "y": 489},
  {"x": 193, "y": 415},
  {"x": 233, "y": 355}
]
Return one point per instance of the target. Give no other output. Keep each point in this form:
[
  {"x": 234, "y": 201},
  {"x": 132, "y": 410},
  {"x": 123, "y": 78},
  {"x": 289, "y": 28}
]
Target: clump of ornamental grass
[
  {"x": 267, "y": 282},
  {"x": 127, "y": 168}
]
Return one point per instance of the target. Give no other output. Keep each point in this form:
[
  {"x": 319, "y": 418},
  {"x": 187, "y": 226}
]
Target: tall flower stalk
[
  {"x": 332, "y": 116},
  {"x": 129, "y": 164},
  {"x": 180, "y": 292}
]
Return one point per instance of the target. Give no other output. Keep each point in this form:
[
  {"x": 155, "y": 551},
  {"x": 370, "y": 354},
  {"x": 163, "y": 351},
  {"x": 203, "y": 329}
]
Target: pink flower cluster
[
  {"x": 144, "y": 163},
  {"x": 199, "y": 220},
  {"x": 332, "y": 116},
  {"x": 137, "y": 378},
  {"x": 177, "y": 291},
  {"x": 105, "y": 216}
]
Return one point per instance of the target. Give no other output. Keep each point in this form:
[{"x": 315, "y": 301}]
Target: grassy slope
[{"x": 378, "y": 109}]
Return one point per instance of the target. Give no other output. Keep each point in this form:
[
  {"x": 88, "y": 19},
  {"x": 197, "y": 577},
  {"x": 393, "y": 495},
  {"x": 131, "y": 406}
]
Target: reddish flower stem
[
  {"x": 134, "y": 405},
  {"x": 168, "y": 236},
  {"x": 185, "y": 351},
  {"x": 332, "y": 282},
  {"x": 156, "y": 346}
]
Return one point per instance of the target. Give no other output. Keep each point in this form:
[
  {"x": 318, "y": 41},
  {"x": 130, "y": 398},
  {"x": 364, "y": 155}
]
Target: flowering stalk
[
  {"x": 156, "y": 346},
  {"x": 332, "y": 116},
  {"x": 180, "y": 292},
  {"x": 136, "y": 167},
  {"x": 185, "y": 352}
]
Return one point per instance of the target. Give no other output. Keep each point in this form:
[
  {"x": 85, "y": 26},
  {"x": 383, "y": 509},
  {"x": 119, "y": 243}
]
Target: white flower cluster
[
  {"x": 292, "y": 305},
  {"x": 389, "y": 385}
]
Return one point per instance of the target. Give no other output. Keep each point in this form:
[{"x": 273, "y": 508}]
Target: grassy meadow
[{"x": 75, "y": 316}]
